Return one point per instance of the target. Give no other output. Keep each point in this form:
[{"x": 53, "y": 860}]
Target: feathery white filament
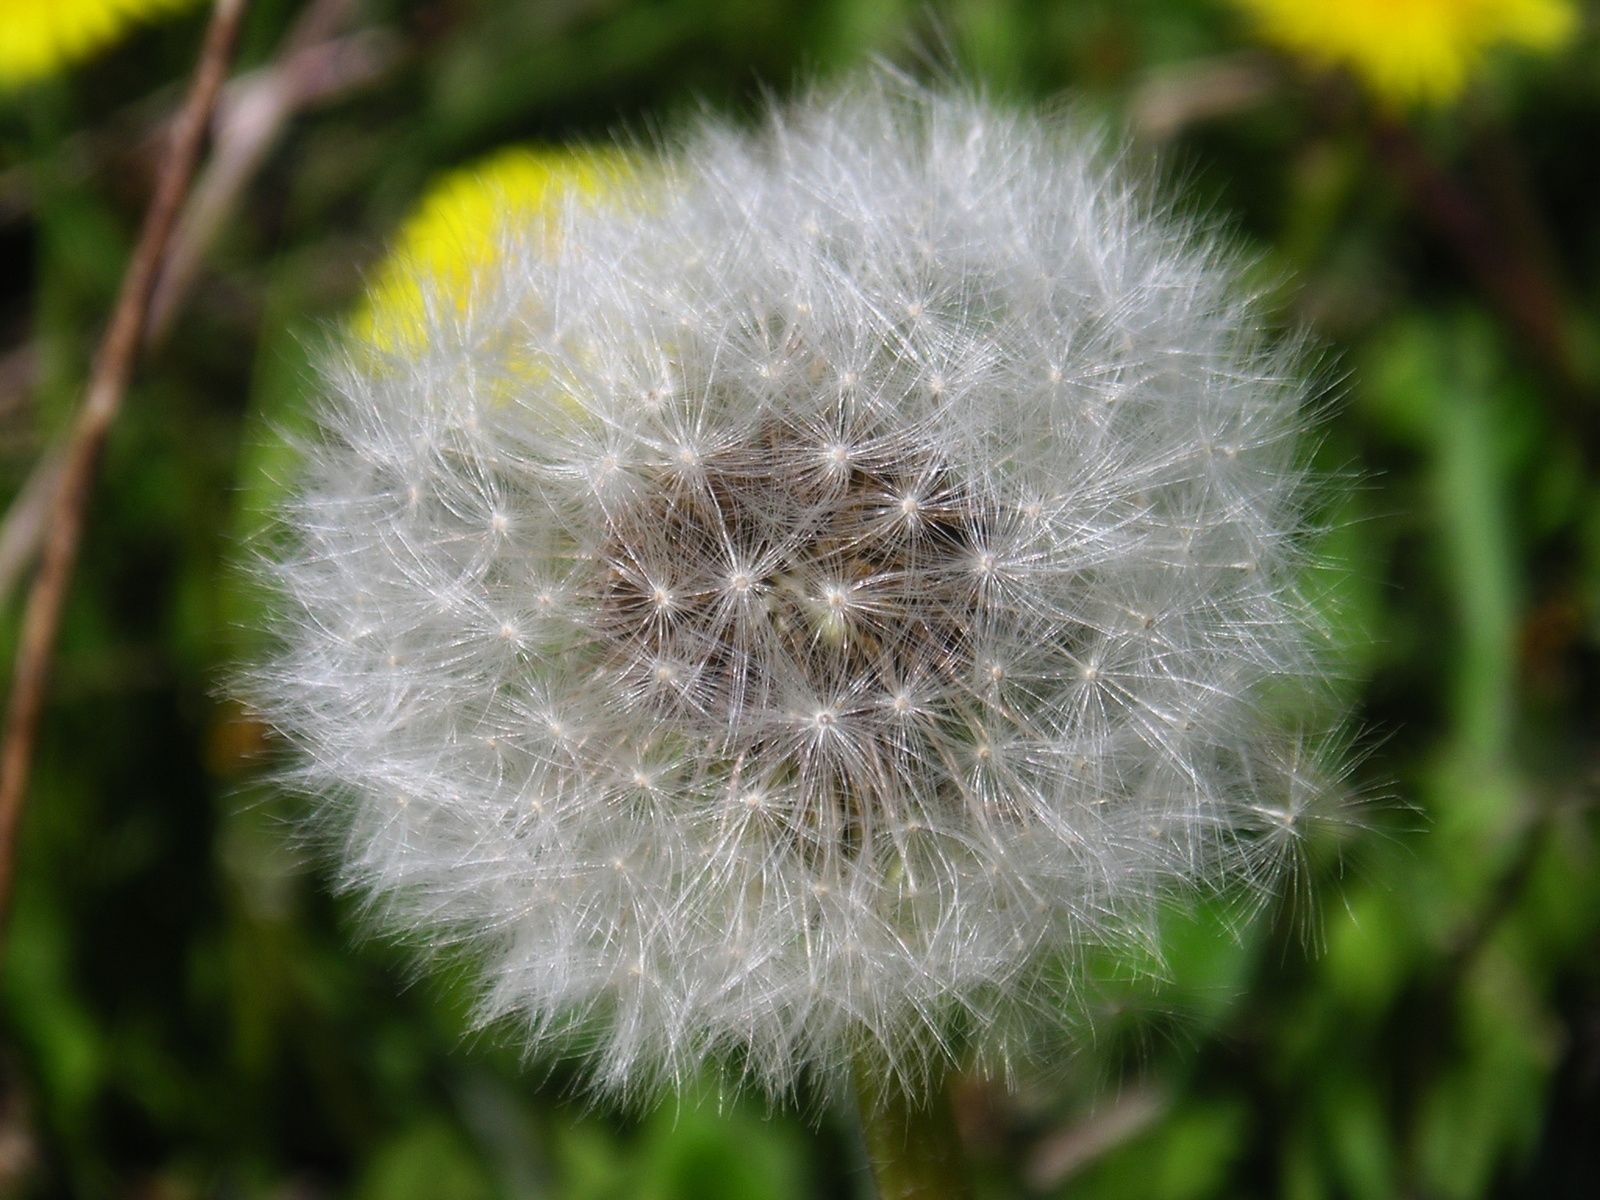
[{"x": 786, "y": 607}]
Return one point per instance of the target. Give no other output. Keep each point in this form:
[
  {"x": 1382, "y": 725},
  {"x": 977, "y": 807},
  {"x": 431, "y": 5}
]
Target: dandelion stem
[{"x": 911, "y": 1142}]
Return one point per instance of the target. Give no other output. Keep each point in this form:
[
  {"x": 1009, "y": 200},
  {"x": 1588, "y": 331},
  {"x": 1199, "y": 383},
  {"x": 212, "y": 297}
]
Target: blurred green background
[{"x": 188, "y": 1012}]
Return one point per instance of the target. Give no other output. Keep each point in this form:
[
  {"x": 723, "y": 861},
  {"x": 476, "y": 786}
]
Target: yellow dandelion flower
[
  {"x": 455, "y": 234},
  {"x": 40, "y": 37},
  {"x": 1410, "y": 51}
]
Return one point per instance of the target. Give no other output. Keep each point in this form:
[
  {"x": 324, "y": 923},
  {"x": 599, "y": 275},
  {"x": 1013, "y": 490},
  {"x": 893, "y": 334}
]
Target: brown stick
[
  {"x": 1527, "y": 301},
  {"x": 255, "y": 111},
  {"x": 318, "y": 63},
  {"x": 107, "y": 383}
]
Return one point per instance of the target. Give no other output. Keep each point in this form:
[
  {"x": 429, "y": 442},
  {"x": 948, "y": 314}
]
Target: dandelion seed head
[{"x": 781, "y": 644}]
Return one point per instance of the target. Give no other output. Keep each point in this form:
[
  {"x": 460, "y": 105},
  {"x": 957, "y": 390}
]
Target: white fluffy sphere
[{"x": 793, "y": 602}]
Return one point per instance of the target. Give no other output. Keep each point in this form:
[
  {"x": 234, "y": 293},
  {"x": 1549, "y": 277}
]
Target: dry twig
[
  {"x": 1068, "y": 1150},
  {"x": 1527, "y": 301},
  {"x": 1173, "y": 98},
  {"x": 319, "y": 63},
  {"x": 107, "y": 384}
]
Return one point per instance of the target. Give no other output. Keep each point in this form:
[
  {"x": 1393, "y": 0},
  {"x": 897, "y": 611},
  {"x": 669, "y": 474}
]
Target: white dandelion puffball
[{"x": 803, "y": 592}]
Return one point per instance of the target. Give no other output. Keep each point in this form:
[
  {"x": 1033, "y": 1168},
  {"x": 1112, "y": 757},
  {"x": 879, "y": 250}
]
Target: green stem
[{"x": 911, "y": 1142}]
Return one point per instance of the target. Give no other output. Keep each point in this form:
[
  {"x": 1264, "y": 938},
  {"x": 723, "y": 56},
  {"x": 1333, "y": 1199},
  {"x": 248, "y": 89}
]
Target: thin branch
[
  {"x": 1069, "y": 1149},
  {"x": 1172, "y": 98},
  {"x": 108, "y": 382},
  {"x": 1527, "y": 300},
  {"x": 319, "y": 63}
]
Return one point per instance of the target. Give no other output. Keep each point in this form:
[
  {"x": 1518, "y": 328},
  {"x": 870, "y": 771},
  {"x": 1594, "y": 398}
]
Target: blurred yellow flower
[
  {"x": 40, "y": 37},
  {"x": 457, "y": 231},
  {"x": 1409, "y": 51}
]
